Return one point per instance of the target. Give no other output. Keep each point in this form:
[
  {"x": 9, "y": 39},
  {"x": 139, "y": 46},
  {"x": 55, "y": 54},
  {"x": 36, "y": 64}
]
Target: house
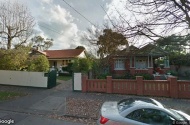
[
  {"x": 61, "y": 58},
  {"x": 138, "y": 60}
]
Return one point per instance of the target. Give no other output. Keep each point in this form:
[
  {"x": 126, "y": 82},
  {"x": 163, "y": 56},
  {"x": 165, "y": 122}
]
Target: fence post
[
  {"x": 84, "y": 83},
  {"x": 173, "y": 87},
  {"x": 109, "y": 86},
  {"x": 140, "y": 85}
]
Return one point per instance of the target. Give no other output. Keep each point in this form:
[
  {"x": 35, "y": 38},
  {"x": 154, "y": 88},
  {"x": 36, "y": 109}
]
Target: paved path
[{"x": 38, "y": 106}]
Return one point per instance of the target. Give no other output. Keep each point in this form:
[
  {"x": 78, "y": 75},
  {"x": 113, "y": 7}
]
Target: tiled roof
[
  {"x": 58, "y": 54},
  {"x": 148, "y": 49}
]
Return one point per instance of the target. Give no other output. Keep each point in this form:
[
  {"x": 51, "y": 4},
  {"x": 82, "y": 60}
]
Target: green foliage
[
  {"x": 180, "y": 59},
  {"x": 42, "y": 43},
  {"x": 64, "y": 77},
  {"x": 110, "y": 42},
  {"x": 10, "y": 95},
  {"x": 103, "y": 76},
  {"x": 14, "y": 59},
  {"x": 68, "y": 68},
  {"x": 173, "y": 43},
  {"x": 119, "y": 77},
  {"x": 38, "y": 64},
  {"x": 172, "y": 72},
  {"x": 64, "y": 68},
  {"x": 82, "y": 65},
  {"x": 128, "y": 75},
  {"x": 187, "y": 73},
  {"x": 80, "y": 47},
  {"x": 145, "y": 76}
]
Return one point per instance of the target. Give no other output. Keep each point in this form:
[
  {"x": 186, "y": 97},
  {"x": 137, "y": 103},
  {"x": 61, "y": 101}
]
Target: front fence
[
  {"x": 124, "y": 86},
  {"x": 166, "y": 88}
]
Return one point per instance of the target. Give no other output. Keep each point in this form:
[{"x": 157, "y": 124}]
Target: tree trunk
[{"x": 9, "y": 39}]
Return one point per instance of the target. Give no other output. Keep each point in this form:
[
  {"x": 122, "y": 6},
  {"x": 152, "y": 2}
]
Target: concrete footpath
[{"x": 39, "y": 107}]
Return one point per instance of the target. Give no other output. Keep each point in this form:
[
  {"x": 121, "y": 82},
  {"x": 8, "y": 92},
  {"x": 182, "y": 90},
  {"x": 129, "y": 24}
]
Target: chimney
[{"x": 127, "y": 47}]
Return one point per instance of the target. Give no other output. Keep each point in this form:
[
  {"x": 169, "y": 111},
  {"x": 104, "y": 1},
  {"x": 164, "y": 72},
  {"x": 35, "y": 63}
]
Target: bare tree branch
[{"x": 16, "y": 22}]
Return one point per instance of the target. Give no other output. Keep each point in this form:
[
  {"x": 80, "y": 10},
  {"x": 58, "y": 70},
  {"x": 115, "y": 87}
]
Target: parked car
[{"x": 140, "y": 111}]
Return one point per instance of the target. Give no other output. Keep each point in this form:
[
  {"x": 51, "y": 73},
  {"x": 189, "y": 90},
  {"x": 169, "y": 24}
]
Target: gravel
[
  {"x": 87, "y": 121},
  {"x": 83, "y": 108}
]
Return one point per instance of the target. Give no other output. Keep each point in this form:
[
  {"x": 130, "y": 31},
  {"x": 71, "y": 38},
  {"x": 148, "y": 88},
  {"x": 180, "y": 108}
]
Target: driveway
[
  {"x": 60, "y": 105},
  {"x": 39, "y": 107}
]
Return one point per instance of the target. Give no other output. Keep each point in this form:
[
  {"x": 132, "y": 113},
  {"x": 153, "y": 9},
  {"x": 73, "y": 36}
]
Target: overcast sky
[{"x": 56, "y": 20}]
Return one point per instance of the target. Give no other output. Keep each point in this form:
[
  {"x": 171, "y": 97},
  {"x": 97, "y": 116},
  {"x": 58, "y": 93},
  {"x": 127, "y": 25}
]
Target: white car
[{"x": 140, "y": 111}]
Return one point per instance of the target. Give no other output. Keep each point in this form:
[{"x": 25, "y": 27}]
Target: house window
[
  {"x": 119, "y": 64},
  {"x": 141, "y": 64}
]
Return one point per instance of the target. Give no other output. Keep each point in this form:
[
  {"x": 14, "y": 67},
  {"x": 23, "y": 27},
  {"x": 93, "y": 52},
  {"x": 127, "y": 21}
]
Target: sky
[{"x": 57, "y": 20}]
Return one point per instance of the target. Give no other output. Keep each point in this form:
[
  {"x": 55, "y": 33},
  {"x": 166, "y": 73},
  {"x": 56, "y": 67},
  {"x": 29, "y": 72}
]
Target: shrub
[
  {"x": 145, "y": 76},
  {"x": 172, "y": 72},
  {"x": 14, "y": 59},
  {"x": 81, "y": 65},
  {"x": 187, "y": 73},
  {"x": 128, "y": 75},
  {"x": 119, "y": 77},
  {"x": 38, "y": 64},
  {"x": 64, "y": 68},
  {"x": 103, "y": 76}
]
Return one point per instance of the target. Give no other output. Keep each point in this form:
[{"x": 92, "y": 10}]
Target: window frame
[{"x": 119, "y": 64}]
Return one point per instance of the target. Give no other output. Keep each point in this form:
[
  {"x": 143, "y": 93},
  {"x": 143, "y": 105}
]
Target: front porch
[{"x": 146, "y": 64}]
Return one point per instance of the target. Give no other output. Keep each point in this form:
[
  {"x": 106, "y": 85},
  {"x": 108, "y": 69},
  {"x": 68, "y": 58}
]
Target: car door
[{"x": 150, "y": 117}]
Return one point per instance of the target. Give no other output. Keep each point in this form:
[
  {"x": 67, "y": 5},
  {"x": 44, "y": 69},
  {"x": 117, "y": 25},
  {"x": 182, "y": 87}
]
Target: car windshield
[
  {"x": 177, "y": 115},
  {"x": 127, "y": 103}
]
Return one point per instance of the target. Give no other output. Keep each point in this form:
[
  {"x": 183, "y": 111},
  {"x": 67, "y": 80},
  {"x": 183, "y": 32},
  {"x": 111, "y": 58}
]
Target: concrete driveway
[{"x": 39, "y": 107}]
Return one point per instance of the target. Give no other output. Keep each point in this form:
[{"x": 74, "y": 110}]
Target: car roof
[
  {"x": 136, "y": 103},
  {"x": 133, "y": 102}
]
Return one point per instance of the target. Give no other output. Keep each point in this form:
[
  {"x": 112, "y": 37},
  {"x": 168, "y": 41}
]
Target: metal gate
[{"x": 52, "y": 79}]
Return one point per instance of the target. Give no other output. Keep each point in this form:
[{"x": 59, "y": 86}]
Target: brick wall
[{"x": 165, "y": 88}]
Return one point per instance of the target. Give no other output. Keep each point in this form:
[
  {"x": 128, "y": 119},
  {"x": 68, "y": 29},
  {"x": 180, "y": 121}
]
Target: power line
[
  {"x": 50, "y": 29},
  {"x": 79, "y": 13},
  {"x": 108, "y": 17}
]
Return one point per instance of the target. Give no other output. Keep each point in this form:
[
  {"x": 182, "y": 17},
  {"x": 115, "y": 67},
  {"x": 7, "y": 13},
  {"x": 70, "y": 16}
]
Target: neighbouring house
[
  {"x": 138, "y": 60},
  {"x": 61, "y": 58}
]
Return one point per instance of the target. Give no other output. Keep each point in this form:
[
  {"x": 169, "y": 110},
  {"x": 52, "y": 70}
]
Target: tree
[
  {"x": 154, "y": 18},
  {"x": 16, "y": 23},
  {"x": 80, "y": 47},
  {"x": 82, "y": 65},
  {"x": 176, "y": 47},
  {"x": 14, "y": 59},
  {"x": 42, "y": 43},
  {"x": 174, "y": 44},
  {"x": 110, "y": 42},
  {"x": 38, "y": 64}
]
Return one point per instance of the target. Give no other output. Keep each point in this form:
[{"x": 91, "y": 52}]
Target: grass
[
  {"x": 10, "y": 95},
  {"x": 64, "y": 78}
]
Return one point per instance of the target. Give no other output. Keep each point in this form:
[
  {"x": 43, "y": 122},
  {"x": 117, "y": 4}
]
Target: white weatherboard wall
[
  {"x": 77, "y": 82},
  {"x": 23, "y": 78}
]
